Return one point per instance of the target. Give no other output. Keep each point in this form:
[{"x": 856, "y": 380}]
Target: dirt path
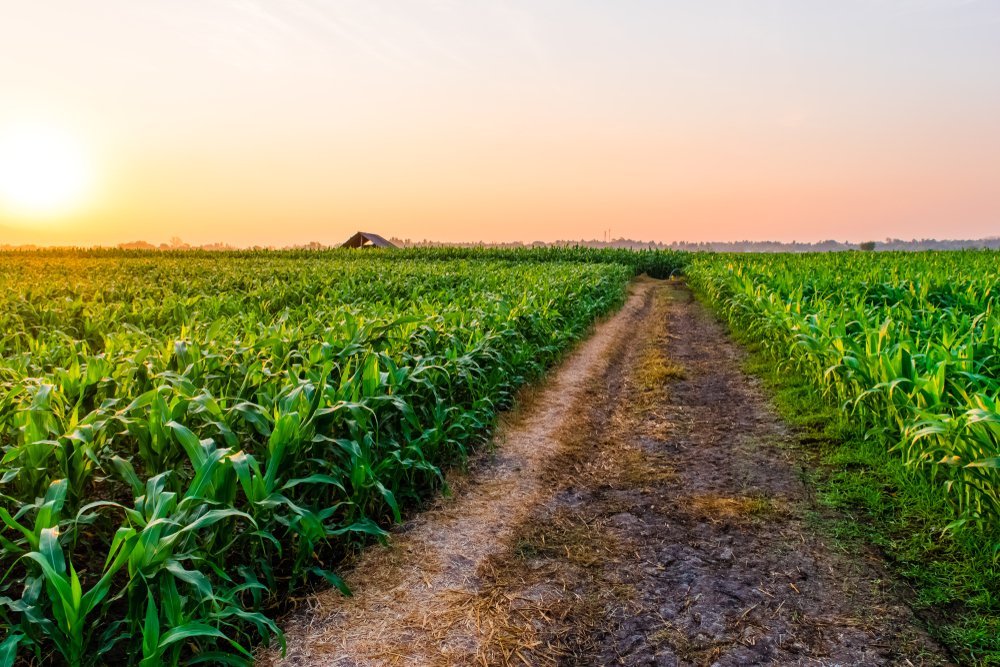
[{"x": 640, "y": 509}]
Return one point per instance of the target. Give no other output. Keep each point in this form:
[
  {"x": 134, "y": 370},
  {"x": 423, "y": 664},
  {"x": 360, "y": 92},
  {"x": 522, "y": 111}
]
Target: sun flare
[{"x": 44, "y": 172}]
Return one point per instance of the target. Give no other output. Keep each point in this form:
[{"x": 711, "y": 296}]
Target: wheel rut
[{"x": 641, "y": 507}]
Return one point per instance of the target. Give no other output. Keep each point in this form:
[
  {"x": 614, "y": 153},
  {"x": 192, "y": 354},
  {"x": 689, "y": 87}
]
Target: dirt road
[{"x": 640, "y": 508}]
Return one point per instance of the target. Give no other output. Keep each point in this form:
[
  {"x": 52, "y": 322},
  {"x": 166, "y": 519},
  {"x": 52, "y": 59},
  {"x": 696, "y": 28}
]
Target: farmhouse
[{"x": 367, "y": 240}]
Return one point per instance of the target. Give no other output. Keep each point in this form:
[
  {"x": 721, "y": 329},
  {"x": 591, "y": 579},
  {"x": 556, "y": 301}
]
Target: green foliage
[
  {"x": 654, "y": 263},
  {"x": 881, "y": 502},
  {"x": 908, "y": 344},
  {"x": 186, "y": 437}
]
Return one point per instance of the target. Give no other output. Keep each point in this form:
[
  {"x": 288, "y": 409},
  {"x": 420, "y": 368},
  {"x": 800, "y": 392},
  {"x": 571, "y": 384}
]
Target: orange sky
[{"x": 283, "y": 122}]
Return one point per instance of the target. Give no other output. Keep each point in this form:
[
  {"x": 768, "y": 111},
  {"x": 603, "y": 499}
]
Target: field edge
[{"x": 867, "y": 501}]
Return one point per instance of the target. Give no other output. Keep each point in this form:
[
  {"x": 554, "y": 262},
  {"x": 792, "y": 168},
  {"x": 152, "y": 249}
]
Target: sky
[{"x": 281, "y": 122}]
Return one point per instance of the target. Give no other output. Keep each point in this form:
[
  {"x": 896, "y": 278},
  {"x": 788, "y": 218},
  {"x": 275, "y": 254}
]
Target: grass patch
[
  {"x": 655, "y": 369},
  {"x": 718, "y": 508}
]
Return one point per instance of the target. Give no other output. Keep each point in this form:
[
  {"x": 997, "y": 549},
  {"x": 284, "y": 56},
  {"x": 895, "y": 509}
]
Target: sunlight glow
[{"x": 44, "y": 173}]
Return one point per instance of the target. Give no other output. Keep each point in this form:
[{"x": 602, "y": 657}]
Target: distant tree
[
  {"x": 137, "y": 245},
  {"x": 868, "y": 246}
]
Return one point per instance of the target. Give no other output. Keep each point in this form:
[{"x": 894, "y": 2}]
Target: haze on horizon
[{"x": 288, "y": 121}]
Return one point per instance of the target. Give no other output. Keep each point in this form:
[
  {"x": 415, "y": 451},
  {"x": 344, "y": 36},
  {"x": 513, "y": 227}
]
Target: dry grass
[
  {"x": 536, "y": 605},
  {"x": 652, "y": 373},
  {"x": 566, "y": 538},
  {"x": 560, "y": 558},
  {"x": 547, "y": 600},
  {"x": 691, "y": 651},
  {"x": 718, "y": 508},
  {"x": 542, "y": 602},
  {"x": 655, "y": 369}
]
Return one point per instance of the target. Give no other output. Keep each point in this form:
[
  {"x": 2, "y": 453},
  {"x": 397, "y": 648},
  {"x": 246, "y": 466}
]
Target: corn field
[
  {"x": 908, "y": 343},
  {"x": 189, "y": 437}
]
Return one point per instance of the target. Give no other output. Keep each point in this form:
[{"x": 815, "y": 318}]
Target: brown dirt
[{"x": 641, "y": 508}]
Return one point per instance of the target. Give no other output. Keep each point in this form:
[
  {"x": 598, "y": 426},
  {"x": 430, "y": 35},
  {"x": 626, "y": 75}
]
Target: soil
[{"x": 643, "y": 506}]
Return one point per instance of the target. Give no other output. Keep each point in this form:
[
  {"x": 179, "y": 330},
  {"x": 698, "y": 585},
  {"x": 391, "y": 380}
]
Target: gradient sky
[{"x": 287, "y": 121}]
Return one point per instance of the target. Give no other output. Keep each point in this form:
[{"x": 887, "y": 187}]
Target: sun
[{"x": 44, "y": 172}]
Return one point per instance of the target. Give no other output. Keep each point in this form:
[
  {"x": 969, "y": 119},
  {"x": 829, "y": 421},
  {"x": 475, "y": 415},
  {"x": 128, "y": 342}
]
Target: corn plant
[
  {"x": 187, "y": 437},
  {"x": 907, "y": 343}
]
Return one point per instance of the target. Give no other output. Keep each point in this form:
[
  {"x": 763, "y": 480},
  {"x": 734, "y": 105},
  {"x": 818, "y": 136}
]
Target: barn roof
[{"x": 367, "y": 240}]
